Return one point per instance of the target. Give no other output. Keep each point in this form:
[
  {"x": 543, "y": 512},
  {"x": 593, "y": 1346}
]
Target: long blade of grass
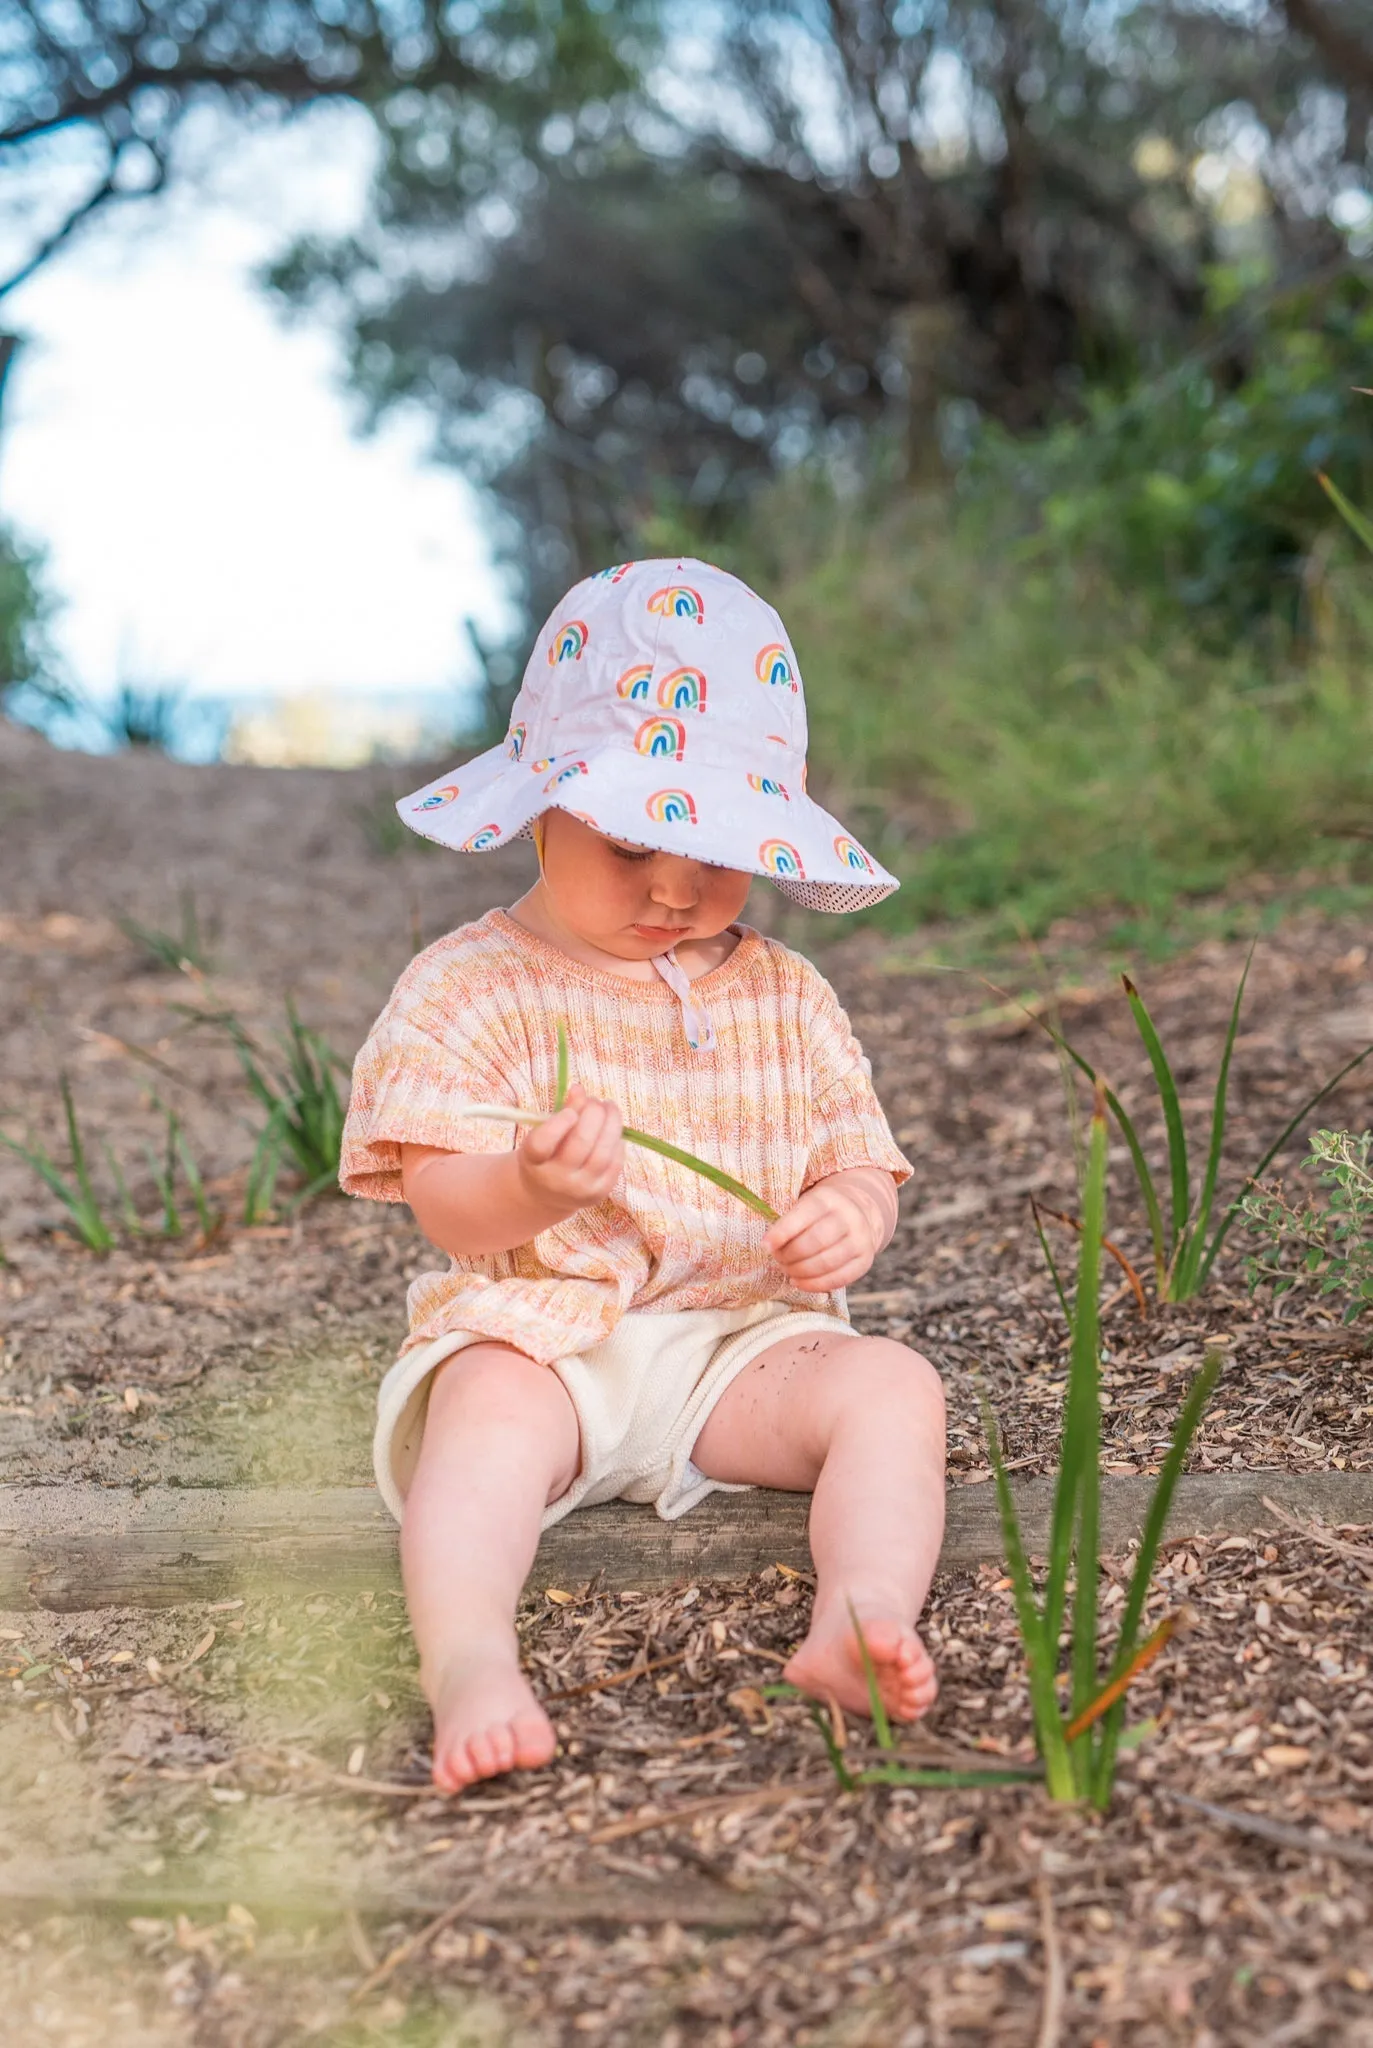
[
  {"x": 1041, "y": 1650},
  {"x": 931, "y": 1778},
  {"x": 877, "y": 1708},
  {"x": 1111, "y": 1248},
  {"x": 78, "y": 1150},
  {"x": 47, "y": 1172},
  {"x": 1050, "y": 1262},
  {"x": 128, "y": 1214},
  {"x": 1190, "y": 1262},
  {"x": 500, "y": 1112},
  {"x": 1311, "y": 1102},
  {"x": 832, "y": 1750},
  {"x": 1155, "y": 1522},
  {"x": 1079, "y": 1424},
  {"x": 1172, "y": 1112},
  {"x": 1083, "y": 1451},
  {"x": 205, "y": 1215},
  {"x": 560, "y": 1093},
  {"x": 1351, "y": 515}
]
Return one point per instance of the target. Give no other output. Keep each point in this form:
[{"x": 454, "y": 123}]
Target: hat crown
[{"x": 668, "y": 656}]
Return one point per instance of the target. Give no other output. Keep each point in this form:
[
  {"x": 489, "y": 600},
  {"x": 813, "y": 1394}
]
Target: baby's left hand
[{"x": 833, "y": 1234}]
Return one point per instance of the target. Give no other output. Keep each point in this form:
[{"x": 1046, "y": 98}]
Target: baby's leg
[
  {"x": 500, "y": 1442},
  {"x": 860, "y": 1420}
]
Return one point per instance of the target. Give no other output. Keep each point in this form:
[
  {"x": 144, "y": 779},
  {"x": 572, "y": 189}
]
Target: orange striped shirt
[{"x": 783, "y": 1100}]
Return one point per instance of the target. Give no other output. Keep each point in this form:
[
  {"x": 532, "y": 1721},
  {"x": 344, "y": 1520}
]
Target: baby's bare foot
[
  {"x": 829, "y": 1665},
  {"x": 486, "y": 1719}
]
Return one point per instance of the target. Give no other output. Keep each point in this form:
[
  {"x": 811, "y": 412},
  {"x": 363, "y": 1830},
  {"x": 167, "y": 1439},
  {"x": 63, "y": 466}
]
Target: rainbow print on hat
[
  {"x": 635, "y": 682},
  {"x": 779, "y": 857},
  {"x": 773, "y": 665},
  {"x": 661, "y": 736},
  {"x": 568, "y": 642},
  {"x": 666, "y": 696},
  {"x": 683, "y": 690},
  {"x": 678, "y": 601},
  {"x": 671, "y": 807},
  {"x": 852, "y": 854}
]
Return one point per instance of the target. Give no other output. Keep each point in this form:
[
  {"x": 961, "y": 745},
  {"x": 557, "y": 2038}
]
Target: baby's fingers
[{"x": 543, "y": 1140}]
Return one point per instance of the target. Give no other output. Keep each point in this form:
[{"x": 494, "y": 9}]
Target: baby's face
[{"x": 628, "y": 900}]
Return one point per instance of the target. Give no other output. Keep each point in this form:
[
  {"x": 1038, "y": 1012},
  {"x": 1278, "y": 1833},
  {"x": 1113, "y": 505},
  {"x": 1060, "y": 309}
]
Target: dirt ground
[{"x": 195, "y": 1809}]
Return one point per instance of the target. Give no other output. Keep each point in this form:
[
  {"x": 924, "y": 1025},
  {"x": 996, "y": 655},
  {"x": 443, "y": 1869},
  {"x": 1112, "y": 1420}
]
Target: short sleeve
[
  {"x": 848, "y": 1125},
  {"x": 409, "y": 1081}
]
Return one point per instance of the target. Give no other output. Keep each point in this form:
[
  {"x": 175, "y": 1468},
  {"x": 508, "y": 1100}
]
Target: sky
[{"x": 213, "y": 519}]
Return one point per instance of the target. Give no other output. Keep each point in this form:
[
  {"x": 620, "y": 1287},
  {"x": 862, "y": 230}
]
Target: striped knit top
[{"x": 782, "y": 1099}]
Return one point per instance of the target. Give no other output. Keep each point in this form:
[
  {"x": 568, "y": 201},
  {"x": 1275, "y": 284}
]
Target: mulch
[{"x": 890, "y": 1917}]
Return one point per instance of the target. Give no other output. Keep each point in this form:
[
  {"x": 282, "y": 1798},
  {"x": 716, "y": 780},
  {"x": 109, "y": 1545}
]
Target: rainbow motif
[
  {"x": 614, "y": 572},
  {"x": 765, "y": 786},
  {"x": 564, "y": 775},
  {"x": 671, "y": 807},
  {"x": 478, "y": 843},
  {"x": 678, "y": 601},
  {"x": 569, "y": 641},
  {"x": 515, "y": 739},
  {"x": 661, "y": 736},
  {"x": 683, "y": 690},
  {"x": 779, "y": 857},
  {"x": 852, "y": 854},
  {"x": 538, "y": 767},
  {"x": 773, "y": 665},
  {"x": 635, "y": 681},
  {"x": 437, "y": 798}
]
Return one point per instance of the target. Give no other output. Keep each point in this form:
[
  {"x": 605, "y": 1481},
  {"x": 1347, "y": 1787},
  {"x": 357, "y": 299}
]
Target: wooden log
[{"x": 75, "y": 1547}]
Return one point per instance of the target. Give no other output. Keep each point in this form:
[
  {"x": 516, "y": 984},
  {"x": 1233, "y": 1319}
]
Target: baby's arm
[
  {"x": 833, "y": 1234},
  {"x": 469, "y": 1204}
]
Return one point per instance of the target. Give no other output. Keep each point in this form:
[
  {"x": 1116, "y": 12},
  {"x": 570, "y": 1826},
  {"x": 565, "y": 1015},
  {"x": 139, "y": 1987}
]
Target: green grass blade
[
  {"x": 708, "y": 1172},
  {"x": 262, "y": 1172},
  {"x": 1351, "y": 515},
  {"x": 560, "y": 1093},
  {"x": 205, "y": 1215},
  {"x": 1051, "y": 1263},
  {"x": 881, "y": 1726},
  {"x": 1155, "y": 1522},
  {"x": 1084, "y": 1414},
  {"x": 78, "y": 1150},
  {"x": 932, "y": 1778},
  {"x": 1312, "y": 1102},
  {"x": 128, "y": 1214},
  {"x": 1189, "y": 1271},
  {"x": 1131, "y": 1136},
  {"x": 1172, "y": 1114},
  {"x": 47, "y": 1172},
  {"x": 1041, "y": 1652},
  {"x": 832, "y": 1749}
]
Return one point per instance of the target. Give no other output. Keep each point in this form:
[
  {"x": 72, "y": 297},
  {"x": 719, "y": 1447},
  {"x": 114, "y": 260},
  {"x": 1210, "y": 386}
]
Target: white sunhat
[{"x": 662, "y": 704}]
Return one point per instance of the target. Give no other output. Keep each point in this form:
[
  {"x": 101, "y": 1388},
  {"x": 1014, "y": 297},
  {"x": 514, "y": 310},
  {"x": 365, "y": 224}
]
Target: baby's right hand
[{"x": 576, "y": 1158}]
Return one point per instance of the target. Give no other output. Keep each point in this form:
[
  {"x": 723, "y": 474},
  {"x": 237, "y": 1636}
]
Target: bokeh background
[{"x": 1005, "y": 345}]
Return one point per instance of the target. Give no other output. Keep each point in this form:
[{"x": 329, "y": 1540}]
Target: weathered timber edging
[{"x": 70, "y": 1548}]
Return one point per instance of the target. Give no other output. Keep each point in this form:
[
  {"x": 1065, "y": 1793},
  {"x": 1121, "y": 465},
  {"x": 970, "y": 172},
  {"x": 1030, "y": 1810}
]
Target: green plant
[
  {"x": 1328, "y": 1244},
  {"x": 1186, "y": 1247},
  {"x": 179, "y": 950},
  {"x": 297, "y": 1086},
  {"x": 1079, "y": 1739},
  {"x": 500, "y": 1112},
  {"x": 77, "y": 1195}
]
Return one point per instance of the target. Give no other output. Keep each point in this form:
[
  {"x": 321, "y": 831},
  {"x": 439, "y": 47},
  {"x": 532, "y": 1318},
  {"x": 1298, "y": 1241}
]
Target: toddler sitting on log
[{"x": 611, "y": 1324}]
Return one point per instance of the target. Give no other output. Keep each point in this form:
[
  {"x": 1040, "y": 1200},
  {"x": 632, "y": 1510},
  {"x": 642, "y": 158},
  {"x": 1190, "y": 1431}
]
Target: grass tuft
[{"x": 76, "y": 1193}]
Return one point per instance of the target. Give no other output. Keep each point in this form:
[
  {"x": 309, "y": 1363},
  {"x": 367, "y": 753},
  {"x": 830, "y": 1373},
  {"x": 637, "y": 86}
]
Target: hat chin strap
[{"x": 700, "y": 1032}]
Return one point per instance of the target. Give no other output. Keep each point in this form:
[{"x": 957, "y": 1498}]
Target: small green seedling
[
  {"x": 77, "y": 1195},
  {"x": 1186, "y": 1246},
  {"x": 1327, "y": 1244},
  {"x": 1078, "y": 1740},
  {"x": 178, "y": 951},
  {"x": 297, "y": 1085}
]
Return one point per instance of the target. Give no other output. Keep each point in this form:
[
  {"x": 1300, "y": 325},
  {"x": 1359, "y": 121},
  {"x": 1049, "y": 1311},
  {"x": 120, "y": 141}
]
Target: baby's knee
[
  {"x": 887, "y": 1375},
  {"x": 490, "y": 1381}
]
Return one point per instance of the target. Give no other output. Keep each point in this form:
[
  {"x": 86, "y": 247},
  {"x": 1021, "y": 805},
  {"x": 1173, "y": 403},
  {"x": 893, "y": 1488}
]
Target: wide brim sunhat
[{"x": 662, "y": 705}]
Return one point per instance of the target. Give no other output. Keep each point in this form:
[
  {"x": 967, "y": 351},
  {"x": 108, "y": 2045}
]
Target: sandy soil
[{"x": 892, "y": 1917}]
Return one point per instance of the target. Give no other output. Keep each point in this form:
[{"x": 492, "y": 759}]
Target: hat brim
[{"x": 715, "y": 812}]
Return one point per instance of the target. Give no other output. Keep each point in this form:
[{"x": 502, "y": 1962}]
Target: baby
[{"x": 612, "y": 1325}]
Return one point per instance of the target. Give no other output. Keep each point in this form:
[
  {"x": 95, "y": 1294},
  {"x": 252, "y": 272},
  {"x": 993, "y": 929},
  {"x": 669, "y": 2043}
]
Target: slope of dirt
[{"x": 919, "y": 1919}]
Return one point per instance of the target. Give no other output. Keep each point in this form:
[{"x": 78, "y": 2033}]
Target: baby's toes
[
  {"x": 482, "y": 1750},
  {"x": 533, "y": 1741}
]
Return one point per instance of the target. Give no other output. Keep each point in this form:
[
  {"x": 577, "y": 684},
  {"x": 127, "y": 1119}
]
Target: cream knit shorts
[{"x": 641, "y": 1398}]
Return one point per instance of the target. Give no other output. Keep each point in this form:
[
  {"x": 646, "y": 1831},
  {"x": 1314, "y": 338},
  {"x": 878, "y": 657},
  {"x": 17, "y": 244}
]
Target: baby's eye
[{"x": 631, "y": 852}]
